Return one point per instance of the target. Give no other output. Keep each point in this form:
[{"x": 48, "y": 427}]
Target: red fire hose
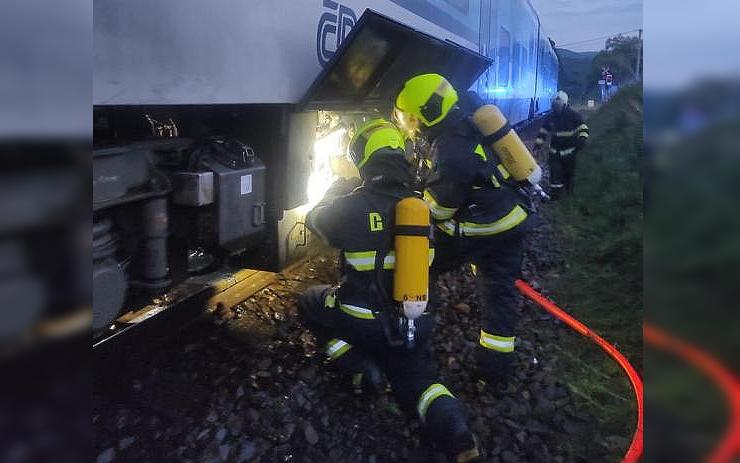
[
  {"x": 729, "y": 446},
  {"x": 635, "y": 449}
]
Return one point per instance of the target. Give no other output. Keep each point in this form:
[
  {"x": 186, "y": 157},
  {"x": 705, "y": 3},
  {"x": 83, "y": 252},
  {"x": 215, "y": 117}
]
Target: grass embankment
[{"x": 600, "y": 227}]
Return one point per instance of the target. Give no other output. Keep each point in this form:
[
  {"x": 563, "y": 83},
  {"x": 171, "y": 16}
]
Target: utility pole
[{"x": 639, "y": 57}]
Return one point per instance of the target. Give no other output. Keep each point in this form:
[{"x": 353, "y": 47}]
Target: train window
[{"x": 504, "y": 57}]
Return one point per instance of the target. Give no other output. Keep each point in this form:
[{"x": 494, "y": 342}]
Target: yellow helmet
[
  {"x": 427, "y": 97},
  {"x": 373, "y": 136}
]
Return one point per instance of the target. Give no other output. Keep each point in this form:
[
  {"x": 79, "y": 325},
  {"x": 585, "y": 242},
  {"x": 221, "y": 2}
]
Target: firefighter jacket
[
  {"x": 470, "y": 193},
  {"x": 567, "y": 129},
  {"x": 360, "y": 224}
]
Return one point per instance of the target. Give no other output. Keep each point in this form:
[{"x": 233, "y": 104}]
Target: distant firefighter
[{"x": 568, "y": 135}]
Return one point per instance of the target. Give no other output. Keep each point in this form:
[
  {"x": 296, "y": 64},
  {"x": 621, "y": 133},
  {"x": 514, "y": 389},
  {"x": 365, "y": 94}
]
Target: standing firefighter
[
  {"x": 479, "y": 215},
  {"x": 363, "y": 329},
  {"x": 568, "y": 135}
]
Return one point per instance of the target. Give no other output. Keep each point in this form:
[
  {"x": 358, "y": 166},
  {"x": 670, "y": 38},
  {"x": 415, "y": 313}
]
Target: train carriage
[{"x": 217, "y": 124}]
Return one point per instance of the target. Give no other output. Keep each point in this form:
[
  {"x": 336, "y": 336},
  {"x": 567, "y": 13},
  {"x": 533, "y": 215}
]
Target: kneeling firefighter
[
  {"x": 568, "y": 134},
  {"x": 481, "y": 214},
  {"x": 375, "y": 320}
]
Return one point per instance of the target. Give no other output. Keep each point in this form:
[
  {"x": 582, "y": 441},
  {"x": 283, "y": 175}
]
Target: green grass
[{"x": 600, "y": 229}]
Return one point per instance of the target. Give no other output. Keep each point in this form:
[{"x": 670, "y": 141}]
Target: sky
[
  {"x": 568, "y": 21},
  {"x": 691, "y": 43}
]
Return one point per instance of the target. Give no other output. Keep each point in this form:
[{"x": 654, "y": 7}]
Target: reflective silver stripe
[
  {"x": 557, "y": 185},
  {"x": 335, "y": 348},
  {"x": 582, "y": 127},
  {"x": 389, "y": 262},
  {"x": 553, "y": 150},
  {"x": 507, "y": 222},
  {"x": 565, "y": 133},
  {"x": 447, "y": 227},
  {"x": 429, "y": 395},
  {"x": 365, "y": 261},
  {"x": 439, "y": 212},
  {"x": 544, "y": 131},
  {"x": 361, "y": 261},
  {"x": 583, "y": 134},
  {"x": 497, "y": 343},
  {"x": 567, "y": 150},
  {"x": 357, "y": 312}
]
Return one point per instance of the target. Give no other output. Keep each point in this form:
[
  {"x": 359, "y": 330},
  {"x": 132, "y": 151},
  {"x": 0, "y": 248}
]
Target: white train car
[{"x": 216, "y": 123}]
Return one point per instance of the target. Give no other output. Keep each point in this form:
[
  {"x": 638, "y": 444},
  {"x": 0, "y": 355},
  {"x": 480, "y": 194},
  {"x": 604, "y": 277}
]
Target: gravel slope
[{"x": 251, "y": 385}]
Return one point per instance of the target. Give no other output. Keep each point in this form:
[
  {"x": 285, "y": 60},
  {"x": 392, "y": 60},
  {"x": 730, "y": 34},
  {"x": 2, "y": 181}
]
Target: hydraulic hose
[
  {"x": 634, "y": 452},
  {"x": 729, "y": 446}
]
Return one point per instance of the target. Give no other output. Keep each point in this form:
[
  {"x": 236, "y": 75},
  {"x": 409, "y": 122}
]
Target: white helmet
[{"x": 562, "y": 96}]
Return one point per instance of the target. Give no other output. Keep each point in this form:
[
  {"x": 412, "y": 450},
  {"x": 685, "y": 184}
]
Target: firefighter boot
[{"x": 447, "y": 427}]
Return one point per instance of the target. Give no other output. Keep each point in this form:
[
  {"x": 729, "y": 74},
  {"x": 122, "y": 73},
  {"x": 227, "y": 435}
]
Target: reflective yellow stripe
[
  {"x": 429, "y": 395},
  {"x": 497, "y": 343},
  {"x": 439, "y": 212},
  {"x": 481, "y": 152},
  {"x": 357, "y": 312},
  {"x": 431, "y": 256},
  {"x": 331, "y": 300},
  {"x": 507, "y": 222},
  {"x": 504, "y": 173},
  {"x": 495, "y": 182},
  {"x": 335, "y": 348}
]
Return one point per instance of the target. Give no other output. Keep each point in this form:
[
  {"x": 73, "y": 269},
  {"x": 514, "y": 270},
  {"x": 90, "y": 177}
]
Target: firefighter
[
  {"x": 568, "y": 135},
  {"x": 350, "y": 320},
  {"x": 479, "y": 216}
]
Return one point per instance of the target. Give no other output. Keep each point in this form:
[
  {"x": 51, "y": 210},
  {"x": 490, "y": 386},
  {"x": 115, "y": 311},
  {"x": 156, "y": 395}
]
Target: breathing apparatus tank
[
  {"x": 411, "y": 275},
  {"x": 498, "y": 134}
]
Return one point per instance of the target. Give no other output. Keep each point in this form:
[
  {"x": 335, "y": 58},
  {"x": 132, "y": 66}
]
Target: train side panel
[
  {"x": 194, "y": 52},
  {"x": 513, "y": 38}
]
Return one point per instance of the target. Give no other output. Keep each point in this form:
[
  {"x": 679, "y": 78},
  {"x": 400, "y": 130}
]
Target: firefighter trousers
[
  {"x": 562, "y": 170},
  {"x": 350, "y": 342},
  {"x": 498, "y": 261}
]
